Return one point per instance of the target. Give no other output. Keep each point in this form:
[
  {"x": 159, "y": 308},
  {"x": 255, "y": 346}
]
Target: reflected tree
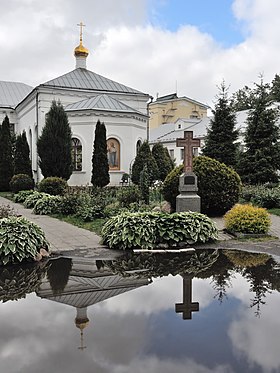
[{"x": 58, "y": 274}]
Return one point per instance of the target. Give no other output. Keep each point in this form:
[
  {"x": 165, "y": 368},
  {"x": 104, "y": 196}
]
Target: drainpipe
[
  {"x": 36, "y": 136},
  {"x": 148, "y": 114}
]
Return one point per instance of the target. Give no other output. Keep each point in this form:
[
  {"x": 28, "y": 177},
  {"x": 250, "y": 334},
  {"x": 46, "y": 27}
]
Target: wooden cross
[
  {"x": 188, "y": 142},
  {"x": 81, "y": 25},
  {"x": 187, "y": 307}
]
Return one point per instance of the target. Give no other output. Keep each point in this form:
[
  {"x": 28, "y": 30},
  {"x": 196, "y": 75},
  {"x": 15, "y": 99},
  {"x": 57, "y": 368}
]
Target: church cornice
[{"x": 104, "y": 114}]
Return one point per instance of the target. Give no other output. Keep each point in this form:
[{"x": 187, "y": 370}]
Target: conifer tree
[
  {"x": 22, "y": 162},
  {"x": 6, "y": 159},
  {"x": 55, "y": 144},
  {"x": 220, "y": 142},
  {"x": 163, "y": 160},
  {"x": 100, "y": 166},
  {"x": 261, "y": 160},
  {"x": 275, "y": 88},
  {"x": 144, "y": 157}
]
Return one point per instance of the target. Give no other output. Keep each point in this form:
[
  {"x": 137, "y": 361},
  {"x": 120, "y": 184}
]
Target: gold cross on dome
[{"x": 81, "y": 25}]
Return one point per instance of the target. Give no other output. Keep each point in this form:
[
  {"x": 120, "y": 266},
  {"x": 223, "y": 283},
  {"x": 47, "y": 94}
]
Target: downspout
[
  {"x": 36, "y": 137},
  {"x": 148, "y": 114}
]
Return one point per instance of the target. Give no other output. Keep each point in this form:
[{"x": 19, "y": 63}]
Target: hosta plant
[
  {"x": 148, "y": 230},
  {"x": 31, "y": 200},
  {"x": 20, "y": 240},
  {"x": 247, "y": 219},
  {"x": 47, "y": 205},
  {"x": 21, "y": 196}
]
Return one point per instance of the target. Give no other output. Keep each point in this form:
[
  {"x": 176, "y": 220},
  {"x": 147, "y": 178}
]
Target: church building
[{"x": 86, "y": 97}]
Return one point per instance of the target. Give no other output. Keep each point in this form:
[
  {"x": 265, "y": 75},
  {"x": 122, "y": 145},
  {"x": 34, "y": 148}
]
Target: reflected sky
[{"x": 139, "y": 331}]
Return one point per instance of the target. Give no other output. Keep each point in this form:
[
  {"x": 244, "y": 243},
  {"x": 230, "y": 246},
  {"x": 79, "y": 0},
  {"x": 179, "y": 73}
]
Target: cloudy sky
[{"x": 151, "y": 45}]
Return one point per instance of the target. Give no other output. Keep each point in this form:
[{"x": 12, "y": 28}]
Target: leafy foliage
[
  {"x": 6, "y": 161},
  {"x": 90, "y": 208},
  {"x": 22, "y": 163},
  {"x": 163, "y": 160},
  {"x": 144, "y": 184},
  {"x": 55, "y": 186},
  {"x": 6, "y": 211},
  {"x": 144, "y": 157},
  {"x": 219, "y": 186},
  {"x": 147, "y": 230},
  {"x": 247, "y": 219},
  {"x": 128, "y": 195},
  {"x": 261, "y": 195},
  {"x": 21, "y": 196},
  {"x": 69, "y": 203},
  {"x": 21, "y": 182},
  {"x": 47, "y": 205},
  {"x": 31, "y": 200},
  {"x": 54, "y": 145},
  {"x": 20, "y": 240},
  {"x": 100, "y": 166},
  {"x": 261, "y": 160},
  {"x": 220, "y": 141}
]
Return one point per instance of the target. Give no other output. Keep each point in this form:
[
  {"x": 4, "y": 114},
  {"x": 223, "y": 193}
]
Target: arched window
[
  {"x": 113, "y": 152},
  {"x": 76, "y": 154},
  {"x": 138, "y": 145}
]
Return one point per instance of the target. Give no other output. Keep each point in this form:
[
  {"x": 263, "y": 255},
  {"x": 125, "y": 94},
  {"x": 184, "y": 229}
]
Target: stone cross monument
[{"x": 188, "y": 200}]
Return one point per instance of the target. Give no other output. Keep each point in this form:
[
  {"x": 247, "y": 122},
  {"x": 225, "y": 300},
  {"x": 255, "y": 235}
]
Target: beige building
[{"x": 170, "y": 108}]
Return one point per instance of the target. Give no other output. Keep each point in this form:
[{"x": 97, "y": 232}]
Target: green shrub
[
  {"x": 47, "y": 205},
  {"x": 31, "y": 200},
  {"x": 69, "y": 203},
  {"x": 129, "y": 194},
  {"x": 55, "y": 186},
  {"x": 90, "y": 207},
  {"x": 219, "y": 186},
  {"x": 21, "y": 196},
  {"x": 261, "y": 195},
  {"x": 20, "y": 240},
  {"x": 147, "y": 230},
  {"x": 247, "y": 219},
  {"x": 21, "y": 182}
]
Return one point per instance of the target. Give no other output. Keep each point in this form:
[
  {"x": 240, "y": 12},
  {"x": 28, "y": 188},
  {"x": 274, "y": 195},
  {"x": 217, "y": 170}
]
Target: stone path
[{"x": 72, "y": 241}]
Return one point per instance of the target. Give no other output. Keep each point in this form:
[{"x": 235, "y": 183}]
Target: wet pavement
[{"x": 71, "y": 241}]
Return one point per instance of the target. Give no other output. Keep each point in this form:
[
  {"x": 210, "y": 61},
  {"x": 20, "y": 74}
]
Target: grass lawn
[
  {"x": 274, "y": 211},
  {"x": 8, "y": 195},
  {"x": 93, "y": 226}
]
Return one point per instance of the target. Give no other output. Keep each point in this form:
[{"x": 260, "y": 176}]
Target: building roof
[
  {"x": 174, "y": 97},
  {"x": 12, "y": 93},
  {"x": 101, "y": 102},
  {"x": 85, "y": 79}
]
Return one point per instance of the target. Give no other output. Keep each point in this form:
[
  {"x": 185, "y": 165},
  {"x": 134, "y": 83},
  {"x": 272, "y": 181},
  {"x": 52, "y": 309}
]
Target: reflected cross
[
  {"x": 187, "y": 307},
  {"x": 188, "y": 142}
]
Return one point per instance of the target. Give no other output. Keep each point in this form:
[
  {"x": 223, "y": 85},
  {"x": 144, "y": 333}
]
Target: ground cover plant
[
  {"x": 20, "y": 240},
  {"x": 148, "y": 230}
]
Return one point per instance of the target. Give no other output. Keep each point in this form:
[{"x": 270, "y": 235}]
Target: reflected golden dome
[{"x": 82, "y": 324}]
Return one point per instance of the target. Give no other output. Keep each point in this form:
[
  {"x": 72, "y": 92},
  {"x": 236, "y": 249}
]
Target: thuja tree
[
  {"x": 54, "y": 145},
  {"x": 261, "y": 160},
  {"x": 144, "y": 157},
  {"x": 163, "y": 160},
  {"x": 22, "y": 163},
  {"x": 6, "y": 159},
  {"x": 220, "y": 141},
  {"x": 100, "y": 166}
]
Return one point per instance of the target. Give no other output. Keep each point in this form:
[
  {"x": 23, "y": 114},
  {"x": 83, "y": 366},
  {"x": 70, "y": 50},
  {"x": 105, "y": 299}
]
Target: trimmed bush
[
  {"x": 128, "y": 195},
  {"x": 247, "y": 219},
  {"x": 21, "y": 182},
  {"x": 147, "y": 230},
  {"x": 20, "y": 240},
  {"x": 21, "y": 196},
  {"x": 219, "y": 186},
  {"x": 56, "y": 186},
  {"x": 31, "y": 200},
  {"x": 47, "y": 205}
]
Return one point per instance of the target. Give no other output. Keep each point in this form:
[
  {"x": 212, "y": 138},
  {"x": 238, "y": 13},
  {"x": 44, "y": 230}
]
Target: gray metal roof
[
  {"x": 101, "y": 102},
  {"x": 12, "y": 93},
  {"x": 86, "y": 79}
]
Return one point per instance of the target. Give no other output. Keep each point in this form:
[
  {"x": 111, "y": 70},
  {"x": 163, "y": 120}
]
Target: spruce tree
[
  {"x": 275, "y": 88},
  {"x": 6, "y": 158},
  {"x": 261, "y": 160},
  {"x": 22, "y": 162},
  {"x": 163, "y": 160},
  {"x": 144, "y": 157},
  {"x": 220, "y": 141},
  {"x": 55, "y": 144},
  {"x": 100, "y": 166}
]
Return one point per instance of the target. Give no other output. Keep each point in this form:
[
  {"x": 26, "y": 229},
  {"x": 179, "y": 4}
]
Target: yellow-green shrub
[{"x": 247, "y": 219}]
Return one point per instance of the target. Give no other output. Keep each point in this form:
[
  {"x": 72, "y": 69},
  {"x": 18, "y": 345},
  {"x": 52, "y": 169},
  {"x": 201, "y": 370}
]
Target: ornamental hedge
[
  {"x": 219, "y": 186},
  {"x": 148, "y": 230}
]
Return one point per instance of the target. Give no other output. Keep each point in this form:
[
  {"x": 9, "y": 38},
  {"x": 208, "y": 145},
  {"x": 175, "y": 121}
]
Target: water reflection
[{"x": 129, "y": 313}]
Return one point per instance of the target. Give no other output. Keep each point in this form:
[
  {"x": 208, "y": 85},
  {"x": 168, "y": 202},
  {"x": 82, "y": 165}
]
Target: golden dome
[{"x": 80, "y": 50}]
